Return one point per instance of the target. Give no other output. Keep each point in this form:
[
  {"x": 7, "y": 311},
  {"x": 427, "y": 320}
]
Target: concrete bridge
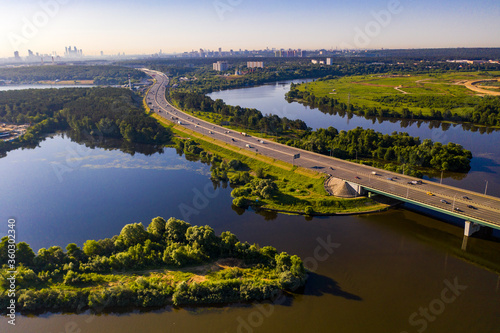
[{"x": 474, "y": 208}]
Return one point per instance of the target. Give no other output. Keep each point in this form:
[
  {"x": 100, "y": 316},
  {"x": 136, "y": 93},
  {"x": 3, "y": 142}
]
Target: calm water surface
[
  {"x": 379, "y": 270},
  {"x": 42, "y": 86}
]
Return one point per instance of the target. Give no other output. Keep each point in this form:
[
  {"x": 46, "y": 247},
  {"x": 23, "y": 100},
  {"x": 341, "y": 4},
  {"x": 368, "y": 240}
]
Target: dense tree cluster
[
  {"x": 56, "y": 279},
  {"x": 236, "y": 115},
  {"x": 101, "y": 74},
  {"x": 102, "y": 112},
  {"x": 398, "y": 148}
]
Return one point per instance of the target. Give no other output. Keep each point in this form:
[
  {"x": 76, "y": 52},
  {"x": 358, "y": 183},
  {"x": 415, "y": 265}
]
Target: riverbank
[{"x": 299, "y": 190}]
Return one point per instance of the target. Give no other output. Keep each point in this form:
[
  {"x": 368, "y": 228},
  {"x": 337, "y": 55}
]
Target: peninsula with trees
[{"x": 169, "y": 263}]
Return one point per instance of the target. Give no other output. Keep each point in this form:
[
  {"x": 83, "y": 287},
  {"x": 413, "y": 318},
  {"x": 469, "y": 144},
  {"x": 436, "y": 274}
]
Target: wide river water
[{"x": 388, "y": 272}]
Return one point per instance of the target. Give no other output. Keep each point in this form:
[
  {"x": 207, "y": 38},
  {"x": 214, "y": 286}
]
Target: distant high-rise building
[
  {"x": 72, "y": 53},
  {"x": 220, "y": 66},
  {"x": 329, "y": 61},
  {"x": 220, "y": 51},
  {"x": 16, "y": 55},
  {"x": 102, "y": 53},
  {"x": 255, "y": 64},
  {"x": 30, "y": 53}
]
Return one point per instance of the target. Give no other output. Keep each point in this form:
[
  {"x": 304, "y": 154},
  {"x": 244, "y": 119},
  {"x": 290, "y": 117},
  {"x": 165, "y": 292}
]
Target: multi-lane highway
[{"x": 465, "y": 204}]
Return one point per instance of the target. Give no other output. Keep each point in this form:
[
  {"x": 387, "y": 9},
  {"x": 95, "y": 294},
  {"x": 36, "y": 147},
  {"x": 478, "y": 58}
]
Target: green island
[
  {"x": 449, "y": 96},
  {"x": 167, "y": 263}
]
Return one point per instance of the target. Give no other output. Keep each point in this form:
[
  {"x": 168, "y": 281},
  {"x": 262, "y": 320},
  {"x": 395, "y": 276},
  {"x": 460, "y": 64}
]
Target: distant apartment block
[
  {"x": 314, "y": 61},
  {"x": 255, "y": 64},
  {"x": 289, "y": 53},
  {"x": 329, "y": 61},
  {"x": 220, "y": 66}
]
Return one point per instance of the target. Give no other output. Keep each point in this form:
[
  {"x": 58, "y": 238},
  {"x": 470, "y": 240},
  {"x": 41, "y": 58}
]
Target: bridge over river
[{"x": 474, "y": 208}]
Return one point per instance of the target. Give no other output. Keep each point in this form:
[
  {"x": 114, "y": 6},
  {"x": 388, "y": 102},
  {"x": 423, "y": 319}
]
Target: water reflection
[{"x": 111, "y": 144}]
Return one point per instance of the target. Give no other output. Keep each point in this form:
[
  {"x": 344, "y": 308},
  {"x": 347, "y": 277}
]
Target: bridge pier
[{"x": 471, "y": 228}]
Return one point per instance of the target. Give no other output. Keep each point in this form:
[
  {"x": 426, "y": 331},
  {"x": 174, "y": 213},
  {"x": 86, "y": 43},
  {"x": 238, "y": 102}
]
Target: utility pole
[
  {"x": 486, "y": 188},
  {"x": 441, "y": 182}
]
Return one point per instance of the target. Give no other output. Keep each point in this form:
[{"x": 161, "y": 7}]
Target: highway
[{"x": 467, "y": 205}]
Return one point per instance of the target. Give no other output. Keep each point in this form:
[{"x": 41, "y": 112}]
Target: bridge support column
[
  {"x": 464, "y": 243},
  {"x": 471, "y": 228}
]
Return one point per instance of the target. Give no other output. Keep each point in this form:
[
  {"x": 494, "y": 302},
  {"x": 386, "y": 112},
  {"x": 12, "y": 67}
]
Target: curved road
[{"x": 450, "y": 200}]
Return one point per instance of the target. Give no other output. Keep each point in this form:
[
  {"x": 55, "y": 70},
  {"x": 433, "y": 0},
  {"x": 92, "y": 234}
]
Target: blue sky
[{"x": 176, "y": 26}]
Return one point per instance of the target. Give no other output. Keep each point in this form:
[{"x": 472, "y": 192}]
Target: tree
[
  {"x": 24, "y": 254},
  {"x": 390, "y": 155},
  {"x": 50, "y": 259},
  {"x": 240, "y": 202},
  {"x": 91, "y": 248},
  {"x": 132, "y": 234},
  {"x": 4, "y": 246},
  {"x": 175, "y": 230},
  {"x": 74, "y": 252},
  {"x": 202, "y": 236},
  {"x": 157, "y": 227}
]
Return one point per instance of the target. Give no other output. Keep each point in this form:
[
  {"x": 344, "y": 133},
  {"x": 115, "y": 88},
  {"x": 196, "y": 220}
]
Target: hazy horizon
[{"x": 145, "y": 28}]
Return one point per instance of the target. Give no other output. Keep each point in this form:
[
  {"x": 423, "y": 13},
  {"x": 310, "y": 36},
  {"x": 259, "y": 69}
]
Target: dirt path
[
  {"x": 398, "y": 88},
  {"x": 470, "y": 85}
]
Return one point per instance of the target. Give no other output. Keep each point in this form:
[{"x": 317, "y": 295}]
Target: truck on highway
[
  {"x": 244, "y": 134},
  {"x": 180, "y": 122},
  {"x": 248, "y": 146}
]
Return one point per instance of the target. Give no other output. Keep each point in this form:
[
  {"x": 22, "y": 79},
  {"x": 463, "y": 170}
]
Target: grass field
[{"x": 413, "y": 91}]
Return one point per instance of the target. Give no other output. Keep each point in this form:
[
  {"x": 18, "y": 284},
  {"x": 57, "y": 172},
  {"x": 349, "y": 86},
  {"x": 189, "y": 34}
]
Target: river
[
  {"x": 42, "y": 86},
  {"x": 374, "y": 273},
  {"x": 485, "y": 166},
  {"x": 369, "y": 273}
]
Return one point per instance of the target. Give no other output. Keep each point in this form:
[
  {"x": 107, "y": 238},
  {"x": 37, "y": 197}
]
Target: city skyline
[{"x": 49, "y": 26}]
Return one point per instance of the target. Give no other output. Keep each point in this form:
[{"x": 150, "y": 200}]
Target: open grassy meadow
[{"x": 418, "y": 93}]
